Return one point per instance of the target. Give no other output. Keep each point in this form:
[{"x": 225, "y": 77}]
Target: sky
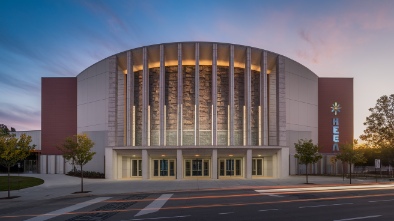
[{"x": 350, "y": 38}]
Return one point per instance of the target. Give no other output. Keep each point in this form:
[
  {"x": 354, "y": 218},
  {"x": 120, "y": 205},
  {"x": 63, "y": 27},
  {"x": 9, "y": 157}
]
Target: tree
[
  {"x": 379, "y": 132},
  {"x": 350, "y": 154},
  {"x": 4, "y": 130},
  {"x": 12, "y": 150},
  {"x": 77, "y": 150},
  {"x": 307, "y": 153}
]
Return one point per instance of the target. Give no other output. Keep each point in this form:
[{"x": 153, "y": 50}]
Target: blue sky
[{"x": 62, "y": 38}]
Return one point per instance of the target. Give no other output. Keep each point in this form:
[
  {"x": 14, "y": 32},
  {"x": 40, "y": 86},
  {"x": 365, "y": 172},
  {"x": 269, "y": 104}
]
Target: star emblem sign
[{"x": 336, "y": 108}]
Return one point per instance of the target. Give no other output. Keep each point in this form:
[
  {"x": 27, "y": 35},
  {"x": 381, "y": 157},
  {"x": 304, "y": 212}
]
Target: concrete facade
[{"x": 195, "y": 110}]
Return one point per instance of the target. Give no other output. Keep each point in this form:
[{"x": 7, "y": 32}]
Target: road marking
[
  {"x": 374, "y": 201},
  {"x": 326, "y": 188},
  {"x": 225, "y": 213},
  {"x": 265, "y": 210},
  {"x": 338, "y": 204},
  {"x": 163, "y": 217},
  {"x": 355, "y": 218},
  {"x": 67, "y": 209},
  {"x": 155, "y": 205},
  {"x": 273, "y": 195}
]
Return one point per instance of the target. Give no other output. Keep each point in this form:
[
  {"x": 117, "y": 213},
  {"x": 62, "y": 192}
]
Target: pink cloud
[{"x": 339, "y": 34}]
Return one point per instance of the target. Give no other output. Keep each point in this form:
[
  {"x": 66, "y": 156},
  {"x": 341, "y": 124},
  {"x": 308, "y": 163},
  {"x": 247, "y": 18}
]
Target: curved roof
[{"x": 205, "y": 55}]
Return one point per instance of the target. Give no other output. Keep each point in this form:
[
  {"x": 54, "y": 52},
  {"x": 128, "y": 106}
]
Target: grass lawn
[{"x": 19, "y": 182}]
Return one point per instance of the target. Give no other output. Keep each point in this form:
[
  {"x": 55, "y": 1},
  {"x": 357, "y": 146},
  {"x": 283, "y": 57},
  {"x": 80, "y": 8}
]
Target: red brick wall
[
  {"x": 58, "y": 112},
  {"x": 332, "y": 90}
]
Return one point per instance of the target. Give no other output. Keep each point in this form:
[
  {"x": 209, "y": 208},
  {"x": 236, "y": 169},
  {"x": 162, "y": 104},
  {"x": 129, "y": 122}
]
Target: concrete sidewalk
[{"x": 60, "y": 185}]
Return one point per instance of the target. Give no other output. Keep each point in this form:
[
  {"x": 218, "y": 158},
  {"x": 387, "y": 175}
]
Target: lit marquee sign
[{"x": 336, "y": 108}]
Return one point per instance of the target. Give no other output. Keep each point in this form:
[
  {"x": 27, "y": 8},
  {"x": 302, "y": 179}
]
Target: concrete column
[
  {"x": 214, "y": 94},
  {"x": 130, "y": 100},
  {"x": 180, "y": 96},
  {"x": 162, "y": 97},
  {"x": 281, "y": 101},
  {"x": 109, "y": 164},
  {"x": 264, "y": 99},
  {"x": 214, "y": 164},
  {"x": 179, "y": 164},
  {"x": 197, "y": 94},
  {"x": 282, "y": 163},
  {"x": 51, "y": 164},
  {"x": 43, "y": 164},
  {"x": 145, "y": 164},
  {"x": 145, "y": 96},
  {"x": 60, "y": 164},
  {"x": 119, "y": 166},
  {"x": 248, "y": 169},
  {"x": 231, "y": 112},
  {"x": 128, "y": 167},
  {"x": 248, "y": 99}
]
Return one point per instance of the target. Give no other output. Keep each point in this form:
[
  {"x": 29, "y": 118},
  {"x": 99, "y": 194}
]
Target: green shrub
[{"x": 87, "y": 174}]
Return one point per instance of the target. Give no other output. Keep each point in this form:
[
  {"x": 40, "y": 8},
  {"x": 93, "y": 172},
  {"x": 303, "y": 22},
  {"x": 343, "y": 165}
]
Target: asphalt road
[{"x": 310, "y": 202}]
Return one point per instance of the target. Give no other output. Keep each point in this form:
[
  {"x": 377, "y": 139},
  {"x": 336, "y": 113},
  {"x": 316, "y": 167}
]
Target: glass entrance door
[
  {"x": 257, "y": 166},
  {"x": 197, "y": 167},
  {"x": 164, "y": 168},
  {"x": 136, "y": 167},
  {"x": 230, "y": 167}
]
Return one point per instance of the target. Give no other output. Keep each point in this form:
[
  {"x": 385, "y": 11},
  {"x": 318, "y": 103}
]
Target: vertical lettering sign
[{"x": 336, "y": 108}]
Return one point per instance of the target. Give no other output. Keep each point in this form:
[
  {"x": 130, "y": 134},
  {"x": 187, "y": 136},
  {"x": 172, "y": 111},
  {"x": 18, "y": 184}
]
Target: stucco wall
[
  {"x": 301, "y": 100},
  {"x": 92, "y": 110},
  {"x": 92, "y": 102}
]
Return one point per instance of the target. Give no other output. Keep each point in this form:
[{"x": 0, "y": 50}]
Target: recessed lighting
[
  {"x": 133, "y": 155},
  {"x": 230, "y": 155},
  {"x": 163, "y": 155},
  {"x": 259, "y": 155},
  {"x": 197, "y": 155}
]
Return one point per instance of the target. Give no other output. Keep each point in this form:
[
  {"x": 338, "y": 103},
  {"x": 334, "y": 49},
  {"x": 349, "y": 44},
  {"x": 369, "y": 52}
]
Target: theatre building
[{"x": 196, "y": 110}]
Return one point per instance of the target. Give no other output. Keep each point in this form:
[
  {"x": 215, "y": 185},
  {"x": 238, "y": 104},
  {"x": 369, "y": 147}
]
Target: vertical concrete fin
[
  {"x": 231, "y": 99},
  {"x": 281, "y": 101},
  {"x": 145, "y": 96},
  {"x": 162, "y": 97},
  {"x": 197, "y": 95},
  {"x": 264, "y": 99},
  {"x": 214, "y": 94},
  {"x": 130, "y": 98},
  {"x": 112, "y": 101},
  {"x": 248, "y": 95},
  {"x": 180, "y": 96}
]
